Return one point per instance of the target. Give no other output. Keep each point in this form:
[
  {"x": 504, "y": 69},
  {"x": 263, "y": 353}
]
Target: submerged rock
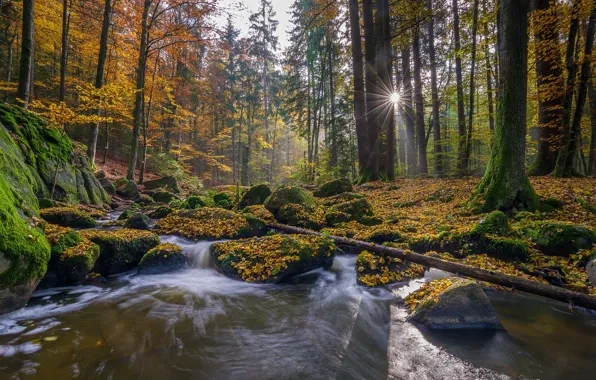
[
  {"x": 164, "y": 258},
  {"x": 272, "y": 259},
  {"x": 120, "y": 250},
  {"x": 451, "y": 304},
  {"x": 68, "y": 217},
  {"x": 256, "y": 195},
  {"x": 210, "y": 224},
  {"x": 335, "y": 187}
]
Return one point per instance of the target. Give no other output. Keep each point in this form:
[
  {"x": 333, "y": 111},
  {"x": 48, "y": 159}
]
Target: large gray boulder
[{"x": 462, "y": 305}]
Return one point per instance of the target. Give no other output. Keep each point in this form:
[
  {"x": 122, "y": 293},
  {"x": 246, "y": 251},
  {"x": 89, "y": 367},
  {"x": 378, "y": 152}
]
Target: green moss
[
  {"x": 223, "y": 200},
  {"x": 550, "y": 204},
  {"x": 256, "y": 195},
  {"x": 138, "y": 221},
  {"x": 296, "y": 215},
  {"x": 161, "y": 259},
  {"x": 370, "y": 221},
  {"x": 335, "y": 187},
  {"x": 46, "y": 203},
  {"x": 507, "y": 249},
  {"x": 163, "y": 196},
  {"x": 68, "y": 217},
  {"x": 120, "y": 183},
  {"x": 194, "y": 202},
  {"x": 61, "y": 238},
  {"x": 561, "y": 239},
  {"x": 380, "y": 236},
  {"x": 290, "y": 195},
  {"x": 495, "y": 223},
  {"x": 144, "y": 199},
  {"x": 340, "y": 198},
  {"x": 356, "y": 209},
  {"x": 160, "y": 212}
]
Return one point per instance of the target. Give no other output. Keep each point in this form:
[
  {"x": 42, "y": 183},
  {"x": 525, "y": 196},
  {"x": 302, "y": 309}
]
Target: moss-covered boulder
[
  {"x": 144, "y": 199},
  {"x": 68, "y": 217},
  {"x": 160, "y": 212},
  {"x": 379, "y": 270},
  {"x": 120, "y": 250},
  {"x": 335, "y": 187},
  {"x": 290, "y": 195},
  {"x": 169, "y": 183},
  {"x": 24, "y": 250},
  {"x": 163, "y": 196},
  {"x": 296, "y": 215},
  {"x": 272, "y": 259},
  {"x": 210, "y": 224},
  {"x": 72, "y": 258},
  {"x": 46, "y": 203},
  {"x": 192, "y": 203},
  {"x": 380, "y": 235},
  {"x": 130, "y": 190},
  {"x": 120, "y": 183},
  {"x": 259, "y": 211},
  {"x": 452, "y": 304},
  {"x": 256, "y": 195},
  {"x": 138, "y": 221},
  {"x": 107, "y": 185},
  {"x": 561, "y": 239},
  {"x": 495, "y": 223},
  {"x": 340, "y": 198},
  {"x": 56, "y": 164},
  {"x": 348, "y": 211},
  {"x": 223, "y": 200},
  {"x": 127, "y": 213},
  {"x": 164, "y": 258}
]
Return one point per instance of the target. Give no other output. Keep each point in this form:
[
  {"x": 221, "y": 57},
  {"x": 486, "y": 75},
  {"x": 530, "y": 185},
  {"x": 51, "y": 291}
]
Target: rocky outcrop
[
  {"x": 272, "y": 259},
  {"x": 164, "y": 258},
  {"x": 59, "y": 168},
  {"x": 451, "y": 304}
]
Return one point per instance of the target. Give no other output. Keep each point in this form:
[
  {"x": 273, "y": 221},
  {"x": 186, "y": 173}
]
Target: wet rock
[
  {"x": 46, "y": 203},
  {"x": 170, "y": 183},
  {"x": 160, "y": 212},
  {"x": 335, "y": 187},
  {"x": 460, "y": 304},
  {"x": 210, "y": 224},
  {"x": 256, "y": 195},
  {"x": 138, "y": 221},
  {"x": 120, "y": 250},
  {"x": 68, "y": 217},
  {"x": 162, "y": 259},
  {"x": 272, "y": 259}
]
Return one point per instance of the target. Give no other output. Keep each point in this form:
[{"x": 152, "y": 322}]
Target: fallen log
[{"x": 575, "y": 298}]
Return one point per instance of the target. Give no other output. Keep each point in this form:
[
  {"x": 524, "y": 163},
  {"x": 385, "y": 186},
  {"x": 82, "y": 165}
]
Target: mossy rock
[
  {"x": 335, "y": 187},
  {"x": 259, "y": 211},
  {"x": 210, "y": 224},
  {"x": 68, "y": 217},
  {"x": 379, "y": 270},
  {"x": 46, "y": 203},
  {"x": 223, "y": 200},
  {"x": 507, "y": 249},
  {"x": 335, "y": 218},
  {"x": 458, "y": 305},
  {"x": 127, "y": 214},
  {"x": 120, "y": 183},
  {"x": 144, "y": 199},
  {"x": 130, "y": 190},
  {"x": 290, "y": 195},
  {"x": 370, "y": 221},
  {"x": 170, "y": 183},
  {"x": 164, "y": 258},
  {"x": 163, "y": 196},
  {"x": 296, "y": 215},
  {"x": 194, "y": 202},
  {"x": 138, "y": 221},
  {"x": 495, "y": 223},
  {"x": 272, "y": 259},
  {"x": 562, "y": 239},
  {"x": 340, "y": 198},
  {"x": 256, "y": 195},
  {"x": 550, "y": 204},
  {"x": 160, "y": 212},
  {"x": 355, "y": 210},
  {"x": 120, "y": 250},
  {"x": 380, "y": 236},
  {"x": 107, "y": 185}
]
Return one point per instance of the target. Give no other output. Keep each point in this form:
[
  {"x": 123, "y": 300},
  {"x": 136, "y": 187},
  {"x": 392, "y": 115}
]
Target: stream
[{"x": 198, "y": 324}]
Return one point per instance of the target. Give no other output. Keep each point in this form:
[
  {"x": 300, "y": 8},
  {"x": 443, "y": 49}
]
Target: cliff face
[{"x": 55, "y": 162}]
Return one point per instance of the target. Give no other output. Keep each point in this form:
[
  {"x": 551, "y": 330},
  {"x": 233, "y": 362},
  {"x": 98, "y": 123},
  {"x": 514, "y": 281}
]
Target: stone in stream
[
  {"x": 164, "y": 258},
  {"x": 68, "y": 217},
  {"x": 452, "y": 303},
  {"x": 138, "y": 221},
  {"x": 272, "y": 259},
  {"x": 120, "y": 250}
]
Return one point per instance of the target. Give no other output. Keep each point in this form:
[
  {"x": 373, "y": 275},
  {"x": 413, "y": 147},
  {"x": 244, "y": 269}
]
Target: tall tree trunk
[
  {"x": 146, "y": 119},
  {"x": 466, "y": 163},
  {"x": 358, "y": 74},
  {"x": 549, "y": 83},
  {"x": 26, "y": 64},
  {"x": 561, "y": 169},
  {"x": 64, "y": 50},
  {"x": 401, "y": 135},
  {"x": 489, "y": 77},
  {"x": 408, "y": 112},
  {"x": 461, "y": 113},
  {"x": 372, "y": 89},
  {"x": 420, "y": 127},
  {"x": 505, "y": 184},
  {"x": 436, "y": 126},
  {"x": 567, "y": 153},
  {"x": 142, "y": 62},
  {"x": 334, "y": 147},
  {"x": 388, "y": 117},
  {"x": 9, "y": 68},
  {"x": 592, "y": 154},
  {"x": 99, "y": 77}
]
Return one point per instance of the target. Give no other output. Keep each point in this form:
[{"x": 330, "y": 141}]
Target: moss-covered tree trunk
[{"x": 505, "y": 184}]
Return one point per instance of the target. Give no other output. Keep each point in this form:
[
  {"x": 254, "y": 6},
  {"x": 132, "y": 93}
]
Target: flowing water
[{"x": 198, "y": 324}]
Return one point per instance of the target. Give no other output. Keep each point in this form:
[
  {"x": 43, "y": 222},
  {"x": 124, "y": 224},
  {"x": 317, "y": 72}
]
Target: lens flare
[{"x": 395, "y": 98}]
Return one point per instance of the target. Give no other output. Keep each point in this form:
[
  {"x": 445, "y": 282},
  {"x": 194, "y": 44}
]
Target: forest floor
[
  {"x": 116, "y": 169},
  {"x": 419, "y": 209}
]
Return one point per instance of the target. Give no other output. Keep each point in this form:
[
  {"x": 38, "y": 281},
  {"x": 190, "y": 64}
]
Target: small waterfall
[{"x": 199, "y": 253}]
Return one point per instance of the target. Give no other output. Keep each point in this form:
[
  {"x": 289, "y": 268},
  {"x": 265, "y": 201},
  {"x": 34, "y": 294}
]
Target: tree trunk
[
  {"x": 358, "y": 74},
  {"x": 505, "y": 185},
  {"x": 26, "y": 64},
  {"x": 334, "y": 147},
  {"x": 400, "y": 131},
  {"x": 146, "y": 119},
  {"x": 407, "y": 111},
  {"x": 564, "y": 166},
  {"x": 592, "y": 154},
  {"x": 549, "y": 83},
  {"x": 373, "y": 103},
  {"x": 420, "y": 127},
  {"x": 99, "y": 77},
  {"x": 489, "y": 77},
  {"x": 244, "y": 169},
  {"x": 436, "y": 125},
  {"x": 9, "y": 68},
  {"x": 388, "y": 84},
  {"x": 466, "y": 163},
  {"x": 142, "y": 62},
  {"x": 461, "y": 113},
  {"x": 64, "y": 50}
]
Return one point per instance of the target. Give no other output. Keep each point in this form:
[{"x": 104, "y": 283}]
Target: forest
[{"x": 353, "y": 189}]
